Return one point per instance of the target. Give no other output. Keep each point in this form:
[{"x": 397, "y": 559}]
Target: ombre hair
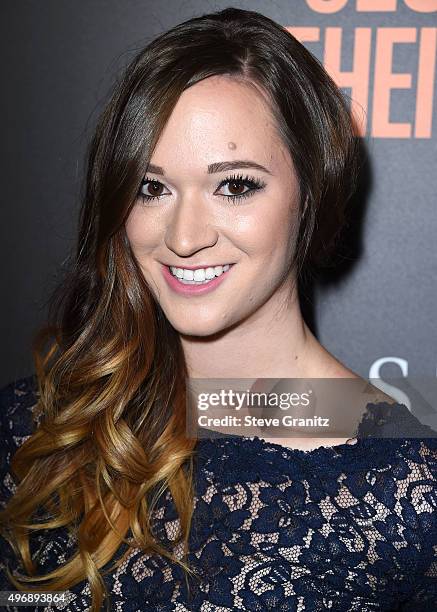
[{"x": 109, "y": 436}]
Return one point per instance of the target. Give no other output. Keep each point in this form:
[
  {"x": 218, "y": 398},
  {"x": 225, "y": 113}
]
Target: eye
[
  {"x": 237, "y": 183},
  {"x": 150, "y": 189}
]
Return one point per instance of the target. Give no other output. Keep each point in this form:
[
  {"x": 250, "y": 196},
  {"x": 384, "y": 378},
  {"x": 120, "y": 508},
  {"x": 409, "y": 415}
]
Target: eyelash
[{"x": 248, "y": 181}]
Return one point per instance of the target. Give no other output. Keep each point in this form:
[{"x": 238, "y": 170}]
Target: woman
[{"x": 219, "y": 174}]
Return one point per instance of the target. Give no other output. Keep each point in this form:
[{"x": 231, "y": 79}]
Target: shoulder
[
  {"x": 385, "y": 419},
  {"x": 19, "y": 394},
  {"x": 17, "y": 401},
  {"x": 389, "y": 434}
]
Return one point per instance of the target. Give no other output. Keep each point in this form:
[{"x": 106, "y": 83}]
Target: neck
[{"x": 273, "y": 342}]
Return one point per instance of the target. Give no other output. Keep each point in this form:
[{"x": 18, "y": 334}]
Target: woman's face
[{"x": 193, "y": 223}]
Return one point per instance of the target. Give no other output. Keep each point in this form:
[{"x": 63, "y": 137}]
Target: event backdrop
[{"x": 377, "y": 310}]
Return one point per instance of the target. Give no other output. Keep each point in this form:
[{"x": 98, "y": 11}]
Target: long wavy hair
[{"x": 109, "y": 435}]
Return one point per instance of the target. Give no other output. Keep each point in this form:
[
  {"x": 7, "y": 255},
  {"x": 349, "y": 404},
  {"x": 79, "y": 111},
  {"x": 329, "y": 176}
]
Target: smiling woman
[
  {"x": 202, "y": 217},
  {"x": 218, "y": 176}
]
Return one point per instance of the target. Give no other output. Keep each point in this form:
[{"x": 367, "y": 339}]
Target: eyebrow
[{"x": 218, "y": 166}]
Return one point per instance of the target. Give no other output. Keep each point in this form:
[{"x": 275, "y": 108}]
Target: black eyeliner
[{"x": 253, "y": 183}]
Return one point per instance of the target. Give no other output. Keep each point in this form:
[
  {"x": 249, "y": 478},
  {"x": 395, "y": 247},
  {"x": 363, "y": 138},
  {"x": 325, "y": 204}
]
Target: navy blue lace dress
[{"x": 348, "y": 527}]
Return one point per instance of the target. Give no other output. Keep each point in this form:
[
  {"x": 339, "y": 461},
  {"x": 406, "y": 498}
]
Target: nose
[{"x": 189, "y": 229}]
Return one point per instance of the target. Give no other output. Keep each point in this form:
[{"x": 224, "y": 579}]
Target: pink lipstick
[{"x": 195, "y": 289}]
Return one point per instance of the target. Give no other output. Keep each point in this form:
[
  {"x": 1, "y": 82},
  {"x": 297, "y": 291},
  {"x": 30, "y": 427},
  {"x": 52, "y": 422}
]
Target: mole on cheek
[{"x": 232, "y": 145}]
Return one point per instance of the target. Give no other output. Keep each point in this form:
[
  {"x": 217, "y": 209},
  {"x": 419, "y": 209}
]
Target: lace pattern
[{"x": 351, "y": 527}]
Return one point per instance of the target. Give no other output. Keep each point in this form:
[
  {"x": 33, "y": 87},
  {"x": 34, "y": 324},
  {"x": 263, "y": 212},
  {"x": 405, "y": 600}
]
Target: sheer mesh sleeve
[
  {"x": 423, "y": 595},
  {"x": 16, "y": 424},
  {"x": 49, "y": 548}
]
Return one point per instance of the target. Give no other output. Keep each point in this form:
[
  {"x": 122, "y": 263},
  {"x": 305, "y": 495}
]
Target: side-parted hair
[{"x": 109, "y": 435}]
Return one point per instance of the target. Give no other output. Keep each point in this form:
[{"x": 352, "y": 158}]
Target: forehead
[{"x": 215, "y": 116}]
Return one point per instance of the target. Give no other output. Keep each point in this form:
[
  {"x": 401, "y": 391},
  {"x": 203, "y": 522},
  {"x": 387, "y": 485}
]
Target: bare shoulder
[
  {"x": 336, "y": 369},
  {"x": 325, "y": 364}
]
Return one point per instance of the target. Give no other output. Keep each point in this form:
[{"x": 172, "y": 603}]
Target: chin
[
  {"x": 199, "y": 327},
  {"x": 197, "y": 330}
]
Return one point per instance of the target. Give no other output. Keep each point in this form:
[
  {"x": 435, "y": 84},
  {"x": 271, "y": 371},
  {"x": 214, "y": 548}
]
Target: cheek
[
  {"x": 133, "y": 227},
  {"x": 139, "y": 231},
  {"x": 270, "y": 230}
]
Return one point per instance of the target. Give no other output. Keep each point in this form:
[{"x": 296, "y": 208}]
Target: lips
[
  {"x": 197, "y": 267},
  {"x": 189, "y": 289}
]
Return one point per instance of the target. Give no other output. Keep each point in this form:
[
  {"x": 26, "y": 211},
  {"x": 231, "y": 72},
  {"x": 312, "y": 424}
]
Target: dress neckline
[{"x": 375, "y": 415}]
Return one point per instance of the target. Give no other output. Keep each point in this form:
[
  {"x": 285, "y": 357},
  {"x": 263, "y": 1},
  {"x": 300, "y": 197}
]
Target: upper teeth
[{"x": 200, "y": 274}]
